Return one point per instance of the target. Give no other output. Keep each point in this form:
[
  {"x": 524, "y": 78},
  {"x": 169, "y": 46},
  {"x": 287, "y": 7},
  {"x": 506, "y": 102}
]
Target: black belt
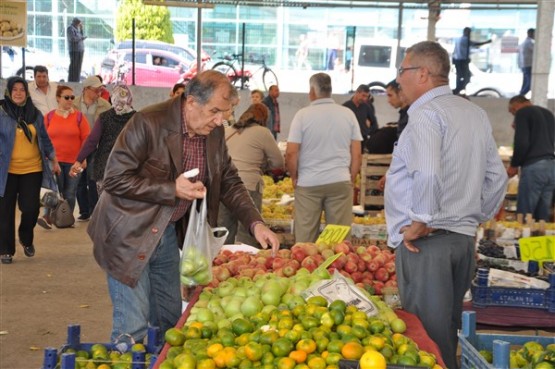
[{"x": 439, "y": 232}]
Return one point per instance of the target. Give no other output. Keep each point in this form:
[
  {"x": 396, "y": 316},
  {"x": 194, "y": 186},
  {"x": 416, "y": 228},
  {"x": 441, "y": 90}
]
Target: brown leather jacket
[{"x": 139, "y": 190}]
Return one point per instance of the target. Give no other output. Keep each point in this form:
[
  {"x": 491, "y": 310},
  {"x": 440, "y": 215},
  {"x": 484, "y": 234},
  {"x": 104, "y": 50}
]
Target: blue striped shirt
[{"x": 445, "y": 169}]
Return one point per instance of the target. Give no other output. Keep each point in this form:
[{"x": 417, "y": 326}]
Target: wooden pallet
[{"x": 373, "y": 168}]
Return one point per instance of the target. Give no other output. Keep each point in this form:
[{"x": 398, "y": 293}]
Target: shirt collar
[
  {"x": 323, "y": 100},
  {"x": 430, "y": 95}
]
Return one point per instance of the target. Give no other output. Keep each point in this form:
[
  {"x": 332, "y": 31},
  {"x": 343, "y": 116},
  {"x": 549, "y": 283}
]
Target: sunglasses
[{"x": 69, "y": 97}]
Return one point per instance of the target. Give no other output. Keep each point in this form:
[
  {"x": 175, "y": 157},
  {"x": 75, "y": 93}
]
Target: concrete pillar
[{"x": 542, "y": 52}]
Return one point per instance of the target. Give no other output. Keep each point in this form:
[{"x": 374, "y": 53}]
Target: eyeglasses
[
  {"x": 69, "y": 97},
  {"x": 402, "y": 69}
]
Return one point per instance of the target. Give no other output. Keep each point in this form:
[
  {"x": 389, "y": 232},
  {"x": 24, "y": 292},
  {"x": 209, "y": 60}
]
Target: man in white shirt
[
  {"x": 323, "y": 158},
  {"x": 42, "y": 91},
  {"x": 525, "y": 56}
]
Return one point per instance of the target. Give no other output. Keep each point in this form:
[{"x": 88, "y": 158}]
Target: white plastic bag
[{"x": 202, "y": 243}]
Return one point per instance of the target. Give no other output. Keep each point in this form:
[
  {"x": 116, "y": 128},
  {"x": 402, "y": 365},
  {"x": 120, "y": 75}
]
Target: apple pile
[{"x": 370, "y": 268}]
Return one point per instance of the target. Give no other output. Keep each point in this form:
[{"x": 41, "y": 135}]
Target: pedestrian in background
[
  {"x": 90, "y": 103},
  {"x": 461, "y": 58},
  {"x": 76, "y": 48},
  {"x": 177, "y": 90},
  {"x": 533, "y": 154},
  {"x": 271, "y": 101},
  {"x": 365, "y": 114},
  {"x": 525, "y": 58},
  {"x": 104, "y": 134},
  {"x": 24, "y": 167},
  {"x": 445, "y": 178},
  {"x": 396, "y": 100},
  {"x": 68, "y": 129},
  {"x": 256, "y": 97},
  {"x": 253, "y": 149},
  {"x": 323, "y": 157},
  {"x": 43, "y": 92}
]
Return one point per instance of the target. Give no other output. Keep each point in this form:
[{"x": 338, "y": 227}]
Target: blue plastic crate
[
  {"x": 67, "y": 360},
  {"x": 483, "y": 296},
  {"x": 500, "y": 344}
]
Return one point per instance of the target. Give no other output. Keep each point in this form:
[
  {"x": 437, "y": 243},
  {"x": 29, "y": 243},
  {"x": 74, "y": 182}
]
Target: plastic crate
[
  {"x": 500, "y": 344},
  {"x": 483, "y": 296},
  {"x": 67, "y": 360}
]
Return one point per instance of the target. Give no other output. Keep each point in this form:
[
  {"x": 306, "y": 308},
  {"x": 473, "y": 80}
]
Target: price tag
[
  {"x": 333, "y": 234},
  {"x": 537, "y": 248}
]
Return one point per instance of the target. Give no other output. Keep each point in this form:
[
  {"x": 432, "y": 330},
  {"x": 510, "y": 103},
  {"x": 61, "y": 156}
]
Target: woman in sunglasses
[
  {"x": 68, "y": 129},
  {"x": 25, "y": 153}
]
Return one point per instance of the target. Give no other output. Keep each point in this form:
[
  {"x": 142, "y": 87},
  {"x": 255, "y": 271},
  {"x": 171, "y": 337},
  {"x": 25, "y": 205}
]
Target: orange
[
  {"x": 174, "y": 337},
  {"x": 286, "y": 363},
  {"x": 306, "y": 345},
  {"x": 317, "y": 363},
  {"x": 298, "y": 355},
  {"x": 213, "y": 349},
  {"x": 352, "y": 350},
  {"x": 335, "y": 346},
  {"x": 282, "y": 347},
  {"x": 372, "y": 360},
  {"x": 206, "y": 364},
  {"x": 253, "y": 351}
]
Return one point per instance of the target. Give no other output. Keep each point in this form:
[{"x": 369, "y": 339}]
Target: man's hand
[
  {"x": 381, "y": 183},
  {"x": 266, "y": 237},
  {"x": 413, "y": 232},
  {"x": 187, "y": 190},
  {"x": 512, "y": 171}
]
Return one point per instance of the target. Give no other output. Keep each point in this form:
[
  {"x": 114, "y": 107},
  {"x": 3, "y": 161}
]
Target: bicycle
[{"x": 263, "y": 77}]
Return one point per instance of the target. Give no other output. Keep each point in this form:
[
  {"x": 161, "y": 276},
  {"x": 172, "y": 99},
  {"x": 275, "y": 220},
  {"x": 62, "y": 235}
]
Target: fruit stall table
[
  {"x": 415, "y": 330},
  {"x": 512, "y": 318}
]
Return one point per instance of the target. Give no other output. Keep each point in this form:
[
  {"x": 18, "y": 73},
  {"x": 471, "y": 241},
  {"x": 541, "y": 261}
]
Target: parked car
[
  {"x": 185, "y": 52},
  {"x": 376, "y": 62},
  {"x": 155, "y": 68},
  {"x": 12, "y": 63}
]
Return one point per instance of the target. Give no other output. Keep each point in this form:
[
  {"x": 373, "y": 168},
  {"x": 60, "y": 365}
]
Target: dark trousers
[
  {"x": 463, "y": 75},
  {"x": 526, "y": 80},
  {"x": 23, "y": 189},
  {"x": 432, "y": 285},
  {"x": 75, "y": 63},
  {"x": 87, "y": 195}
]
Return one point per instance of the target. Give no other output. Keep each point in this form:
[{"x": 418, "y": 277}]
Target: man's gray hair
[
  {"x": 202, "y": 87},
  {"x": 433, "y": 56},
  {"x": 321, "y": 84}
]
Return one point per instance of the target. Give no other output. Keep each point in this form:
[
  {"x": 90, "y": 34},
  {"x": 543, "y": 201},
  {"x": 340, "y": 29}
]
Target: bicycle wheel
[
  {"x": 229, "y": 71},
  {"x": 269, "y": 79}
]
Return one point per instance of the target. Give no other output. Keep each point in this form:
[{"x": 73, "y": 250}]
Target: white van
[{"x": 376, "y": 62}]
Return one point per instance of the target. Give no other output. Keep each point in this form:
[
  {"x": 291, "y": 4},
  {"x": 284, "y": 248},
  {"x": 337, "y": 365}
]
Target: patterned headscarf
[
  {"x": 122, "y": 99},
  {"x": 23, "y": 114}
]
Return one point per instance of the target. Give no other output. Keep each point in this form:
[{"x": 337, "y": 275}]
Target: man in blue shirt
[
  {"x": 461, "y": 59},
  {"x": 445, "y": 178},
  {"x": 525, "y": 55}
]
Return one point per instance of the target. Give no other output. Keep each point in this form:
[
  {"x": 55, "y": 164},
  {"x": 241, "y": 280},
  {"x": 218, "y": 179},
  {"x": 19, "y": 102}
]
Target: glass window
[{"x": 374, "y": 56}]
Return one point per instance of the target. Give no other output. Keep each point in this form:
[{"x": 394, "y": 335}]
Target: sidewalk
[{"x": 42, "y": 295}]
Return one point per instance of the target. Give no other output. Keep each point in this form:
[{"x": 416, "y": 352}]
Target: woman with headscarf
[
  {"x": 104, "y": 134},
  {"x": 68, "y": 129},
  {"x": 253, "y": 149},
  {"x": 24, "y": 168}
]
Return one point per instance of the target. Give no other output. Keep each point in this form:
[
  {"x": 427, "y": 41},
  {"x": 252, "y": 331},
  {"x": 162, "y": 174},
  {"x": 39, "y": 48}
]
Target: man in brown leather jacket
[{"x": 141, "y": 216}]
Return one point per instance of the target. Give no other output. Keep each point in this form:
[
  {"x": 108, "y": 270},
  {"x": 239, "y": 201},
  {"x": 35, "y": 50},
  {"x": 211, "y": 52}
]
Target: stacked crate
[{"x": 373, "y": 168}]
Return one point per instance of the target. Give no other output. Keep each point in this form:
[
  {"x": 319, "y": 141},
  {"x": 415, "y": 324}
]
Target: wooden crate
[{"x": 373, "y": 168}]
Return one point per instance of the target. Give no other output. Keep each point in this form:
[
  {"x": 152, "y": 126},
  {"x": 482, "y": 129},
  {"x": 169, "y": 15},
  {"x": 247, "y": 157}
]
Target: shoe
[
  {"x": 6, "y": 259},
  {"x": 44, "y": 223},
  {"x": 28, "y": 250},
  {"x": 83, "y": 218}
]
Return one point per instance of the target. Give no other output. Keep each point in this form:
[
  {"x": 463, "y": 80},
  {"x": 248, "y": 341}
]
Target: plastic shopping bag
[{"x": 202, "y": 243}]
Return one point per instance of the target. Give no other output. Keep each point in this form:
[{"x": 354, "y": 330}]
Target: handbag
[
  {"x": 62, "y": 215},
  {"x": 202, "y": 243}
]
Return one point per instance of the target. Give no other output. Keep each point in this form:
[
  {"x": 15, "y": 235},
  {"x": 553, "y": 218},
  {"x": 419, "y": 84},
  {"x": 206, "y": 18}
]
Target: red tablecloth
[
  {"x": 512, "y": 317},
  {"x": 415, "y": 331}
]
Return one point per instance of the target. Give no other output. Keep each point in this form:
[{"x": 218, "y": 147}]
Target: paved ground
[{"x": 41, "y": 296}]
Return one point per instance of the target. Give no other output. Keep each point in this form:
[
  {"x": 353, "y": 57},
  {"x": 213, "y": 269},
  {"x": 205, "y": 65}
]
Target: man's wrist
[{"x": 254, "y": 224}]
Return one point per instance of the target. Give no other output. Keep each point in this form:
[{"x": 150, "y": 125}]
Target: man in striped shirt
[{"x": 445, "y": 178}]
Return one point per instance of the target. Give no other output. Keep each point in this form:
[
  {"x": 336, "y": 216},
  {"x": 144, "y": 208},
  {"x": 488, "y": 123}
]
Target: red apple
[
  {"x": 341, "y": 247},
  {"x": 298, "y": 254},
  {"x": 372, "y": 266},
  {"x": 391, "y": 283},
  {"x": 309, "y": 263},
  {"x": 310, "y": 248},
  {"x": 361, "y": 250},
  {"x": 390, "y": 267},
  {"x": 350, "y": 267},
  {"x": 284, "y": 253},
  {"x": 356, "y": 277},
  {"x": 378, "y": 286},
  {"x": 381, "y": 274}
]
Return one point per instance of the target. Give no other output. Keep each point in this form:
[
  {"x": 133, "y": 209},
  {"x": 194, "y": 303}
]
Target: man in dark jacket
[
  {"x": 533, "y": 153},
  {"x": 140, "y": 218},
  {"x": 76, "y": 47},
  {"x": 364, "y": 111}
]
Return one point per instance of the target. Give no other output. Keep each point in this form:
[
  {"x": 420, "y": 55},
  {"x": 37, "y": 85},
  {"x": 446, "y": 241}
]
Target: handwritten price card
[
  {"x": 333, "y": 234},
  {"x": 537, "y": 248}
]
